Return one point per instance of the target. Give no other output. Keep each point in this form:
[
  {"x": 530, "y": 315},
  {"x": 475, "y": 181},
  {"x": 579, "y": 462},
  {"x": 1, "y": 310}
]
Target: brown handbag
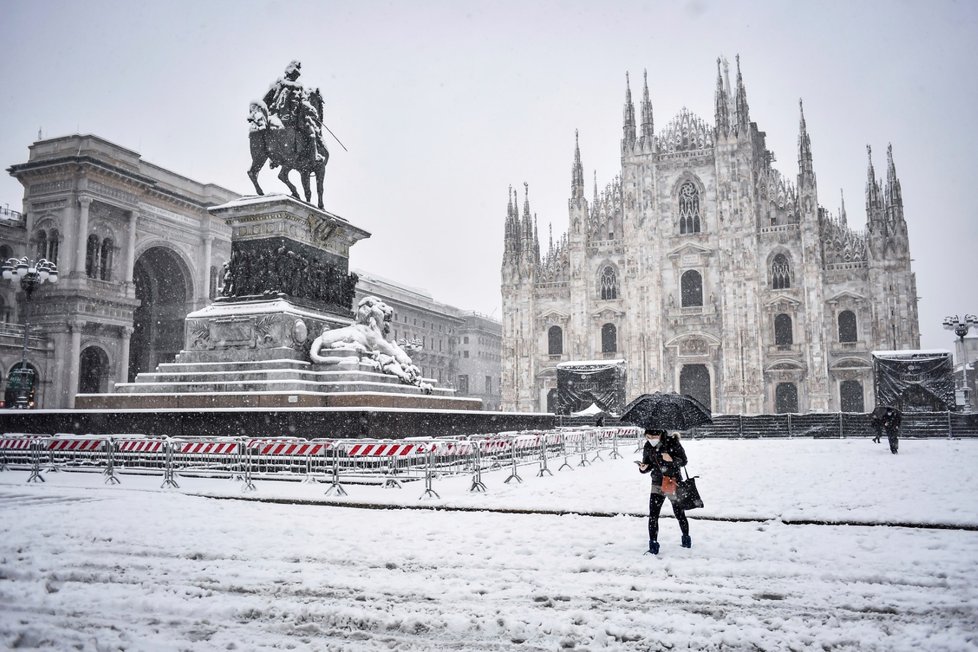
[{"x": 668, "y": 485}]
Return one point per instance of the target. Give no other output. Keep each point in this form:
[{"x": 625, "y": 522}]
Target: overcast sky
[{"x": 444, "y": 105}]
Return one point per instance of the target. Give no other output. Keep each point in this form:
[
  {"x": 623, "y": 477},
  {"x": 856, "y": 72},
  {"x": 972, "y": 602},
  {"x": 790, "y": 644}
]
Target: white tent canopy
[{"x": 590, "y": 411}]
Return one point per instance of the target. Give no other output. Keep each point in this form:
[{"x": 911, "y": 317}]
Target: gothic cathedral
[{"x": 710, "y": 274}]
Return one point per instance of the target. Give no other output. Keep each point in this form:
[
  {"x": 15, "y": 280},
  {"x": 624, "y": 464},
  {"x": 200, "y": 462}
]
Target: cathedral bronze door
[{"x": 694, "y": 380}]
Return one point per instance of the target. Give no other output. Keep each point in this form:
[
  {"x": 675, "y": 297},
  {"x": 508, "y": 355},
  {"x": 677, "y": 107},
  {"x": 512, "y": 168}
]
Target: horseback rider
[{"x": 289, "y": 102}]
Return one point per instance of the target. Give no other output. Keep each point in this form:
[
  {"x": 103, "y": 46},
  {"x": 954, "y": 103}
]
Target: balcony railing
[{"x": 10, "y": 217}]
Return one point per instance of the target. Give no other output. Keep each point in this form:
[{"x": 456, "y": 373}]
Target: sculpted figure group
[
  {"x": 259, "y": 270},
  {"x": 368, "y": 339}
]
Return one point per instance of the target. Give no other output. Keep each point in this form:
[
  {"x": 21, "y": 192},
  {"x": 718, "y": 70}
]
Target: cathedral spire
[
  {"x": 722, "y": 105},
  {"x": 743, "y": 115},
  {"x": 842, "y": 211},
  {"x": 806, "y": 171},
  {"x": 893, "y": 194},
  {"x": 628, "y": 127},
  {"x": 873, "y": 203},
  {"x": 647, "y": 124},
  {"x": 577, "y": 172}
]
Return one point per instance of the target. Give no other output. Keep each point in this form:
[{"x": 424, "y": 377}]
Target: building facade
[
  {"x": 137, "y": 251},
  {"x": 710, "y": 273},
  {"x": 480, "y": 359}
]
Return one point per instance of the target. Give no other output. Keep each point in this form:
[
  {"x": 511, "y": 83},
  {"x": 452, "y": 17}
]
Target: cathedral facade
[{"x": 710, "y": 273}]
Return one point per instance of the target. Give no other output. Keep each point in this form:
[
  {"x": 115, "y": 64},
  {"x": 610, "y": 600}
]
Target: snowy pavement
[{"x": 88, "y": 566}]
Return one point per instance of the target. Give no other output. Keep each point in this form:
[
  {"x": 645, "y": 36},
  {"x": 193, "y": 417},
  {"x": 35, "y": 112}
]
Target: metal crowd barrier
[{"x": 334, "y": 461}]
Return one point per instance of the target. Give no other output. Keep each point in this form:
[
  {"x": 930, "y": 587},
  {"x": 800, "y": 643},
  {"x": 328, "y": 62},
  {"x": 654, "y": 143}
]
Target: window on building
[
  {"x": 786, "y": 398},
  {"x": 465, "y": 354},
  {"x": 782, "y": 330},
  {"x": 609, "y": 338},
  {"x": 851, "y": 396},
  {"x": 691, "y": 287},
  {"x": 780, "y": 273},
  {"x": 555, "y": 340},
  {"x": 689, "y": 208},
  {"x": 105, "y": 259},
  {"x": 42, "y": 244},
  {"x": 847, "y": 326},
  {"x": 465, "y": 340},
  {"x": 609, "y": 283},
  {"x": 92, "y": 256},
  {"x": 463, "y": 384}
]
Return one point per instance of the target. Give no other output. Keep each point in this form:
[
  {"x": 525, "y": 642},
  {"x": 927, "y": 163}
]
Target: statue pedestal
[{"x": 288, "y": 281}]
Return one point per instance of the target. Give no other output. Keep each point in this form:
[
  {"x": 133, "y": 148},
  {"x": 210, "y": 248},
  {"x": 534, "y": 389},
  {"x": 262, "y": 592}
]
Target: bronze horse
[{"x": 289, "y": 148}]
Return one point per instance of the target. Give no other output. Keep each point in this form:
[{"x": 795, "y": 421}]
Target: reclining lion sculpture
[{"x": 366, "y": 339}]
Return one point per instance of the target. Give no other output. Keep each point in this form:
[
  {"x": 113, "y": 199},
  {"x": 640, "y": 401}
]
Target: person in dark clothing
[
  {"x": 891, "y": 424},
  {"x": 663, "y": 460}
]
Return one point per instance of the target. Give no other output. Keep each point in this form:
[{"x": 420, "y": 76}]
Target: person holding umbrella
[{"x": 663, "y": 461}]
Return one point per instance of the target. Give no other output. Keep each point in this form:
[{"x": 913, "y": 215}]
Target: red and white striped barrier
[
  {"x": 20, "y": 444},
  {"x": 76, "y": 445},
  {"x": 207, "y": 447},
  {"x": 297, "y": 447},
  {"x": 380, "y": 449},
  {"x": 141, "y": 446}
]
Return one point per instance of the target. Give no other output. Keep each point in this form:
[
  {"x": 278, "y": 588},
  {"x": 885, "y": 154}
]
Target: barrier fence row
[{"x": 334, "y": 461}]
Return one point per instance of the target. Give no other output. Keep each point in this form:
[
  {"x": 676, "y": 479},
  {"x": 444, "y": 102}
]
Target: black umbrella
[{"x": 666, "y": 411}]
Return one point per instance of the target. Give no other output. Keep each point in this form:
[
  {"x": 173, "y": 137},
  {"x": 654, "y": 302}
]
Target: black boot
[
  {"x": 687, "y": 542},
  {"x": 653, "y": 547}
]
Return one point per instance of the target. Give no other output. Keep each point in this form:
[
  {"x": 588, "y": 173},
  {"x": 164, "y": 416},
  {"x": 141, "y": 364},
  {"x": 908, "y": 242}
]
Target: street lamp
[
  {"x": 960, "y": 326},
  {"x": 30, "y": 274}
]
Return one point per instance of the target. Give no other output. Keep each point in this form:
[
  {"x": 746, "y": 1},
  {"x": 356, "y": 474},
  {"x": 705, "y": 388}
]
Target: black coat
[{"x": 658, "y": 467}]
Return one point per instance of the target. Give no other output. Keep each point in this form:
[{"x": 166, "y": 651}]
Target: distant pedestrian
[
  {"x": 891, "y": 425},
  {"x": 663, "y": 460}
]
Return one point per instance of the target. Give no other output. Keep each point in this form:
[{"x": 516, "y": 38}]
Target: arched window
[
  {"x": 847, "y": 326},
  {"x": 691, "y": 287},
  {"x": 782, "y": 330},
  {"x": 105, "y": 260},
  {"x": 609, "y": 338},
  {"x": 52, "y": 253},
  {"x": 555, "y": 340},
  {"x": 42, "y": 244},
  {"x": 92, "y": 257},
  {"x": 93, "y": 371},
  {"x": 851, "y": 396},
  {"x": 609, "y": 283},
  {"x": 786, "y": 398},
  {"x": 780, "y": 273},
  {"x": 689, "y": 208}
]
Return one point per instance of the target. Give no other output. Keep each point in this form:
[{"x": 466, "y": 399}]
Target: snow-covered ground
[{"x": 88, "y": 566}]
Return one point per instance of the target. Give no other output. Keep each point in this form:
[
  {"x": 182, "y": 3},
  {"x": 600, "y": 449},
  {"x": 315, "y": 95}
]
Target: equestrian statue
[{"x": 286, "y": 128}]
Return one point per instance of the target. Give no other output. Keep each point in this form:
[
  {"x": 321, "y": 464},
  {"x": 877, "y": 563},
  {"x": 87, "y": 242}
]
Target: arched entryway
[
  {"x": 786, "y": 398},
  {"x": 694, "y": 379},
  {"x": 93, "y": 375},
  {"x": 20, "y": 390},
  {"x": 163, "y": 286},
  {"x": 851, "y": 396}
]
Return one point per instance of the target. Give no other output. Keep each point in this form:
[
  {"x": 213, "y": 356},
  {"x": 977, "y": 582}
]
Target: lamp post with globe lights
[
  {"x": 30, "y": 274},
  {"x": 961, "y": 326}
]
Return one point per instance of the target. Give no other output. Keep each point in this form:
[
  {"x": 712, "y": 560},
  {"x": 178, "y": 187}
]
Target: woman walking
[{"x": 663, "y": 461}]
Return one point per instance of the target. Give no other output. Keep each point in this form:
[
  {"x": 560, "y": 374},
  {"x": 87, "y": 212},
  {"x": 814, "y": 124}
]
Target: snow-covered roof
[{"x": 906, "y": 353}]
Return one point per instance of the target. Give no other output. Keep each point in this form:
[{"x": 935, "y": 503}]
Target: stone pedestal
[{"x": 287, "y": 281}]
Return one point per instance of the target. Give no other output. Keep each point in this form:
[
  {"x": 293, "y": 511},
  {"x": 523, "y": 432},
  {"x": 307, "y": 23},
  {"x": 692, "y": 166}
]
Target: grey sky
[{"x": 444, "y": 105}]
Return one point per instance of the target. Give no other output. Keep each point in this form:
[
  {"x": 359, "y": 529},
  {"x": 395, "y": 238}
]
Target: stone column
[
  {"x": 205, "y": 273},
  {"x": 74, "y": 361},
  {"x": 82, "y": 244},
  {"x": 123, "y": 375},
  {"x": 131, "y": 250}
]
